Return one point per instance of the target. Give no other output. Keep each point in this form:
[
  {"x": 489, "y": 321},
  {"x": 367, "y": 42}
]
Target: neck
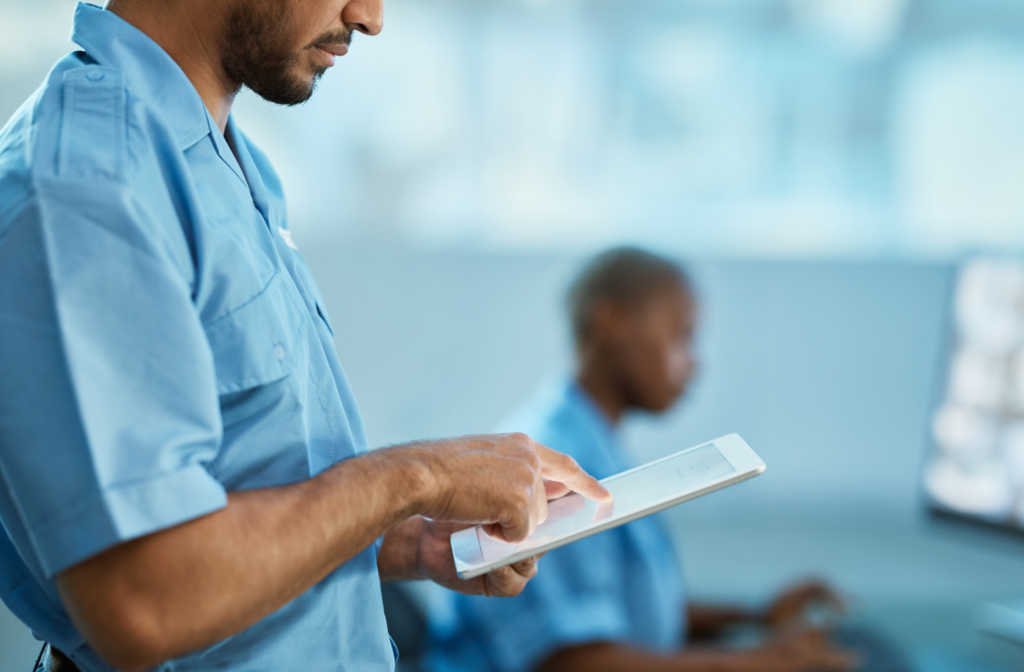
[
  {"x": 600, "y": 384},
  {"x": 188, "y": 32}
]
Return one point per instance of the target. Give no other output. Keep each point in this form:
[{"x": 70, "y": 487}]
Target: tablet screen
[{"x": 633, "y": 491}]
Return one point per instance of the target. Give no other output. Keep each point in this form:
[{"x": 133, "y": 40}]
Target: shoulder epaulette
[{"x": 94, "y": 129}]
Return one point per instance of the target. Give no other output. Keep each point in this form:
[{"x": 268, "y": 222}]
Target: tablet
[{"x": 637, "y": 493}]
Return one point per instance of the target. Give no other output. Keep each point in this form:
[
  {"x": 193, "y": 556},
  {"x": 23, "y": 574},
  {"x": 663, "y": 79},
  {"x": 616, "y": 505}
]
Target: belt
[{"x": 53, "y": 660}]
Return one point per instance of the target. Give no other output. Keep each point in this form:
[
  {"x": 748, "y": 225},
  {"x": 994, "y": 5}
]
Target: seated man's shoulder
[{"x": 556, "y": 425}]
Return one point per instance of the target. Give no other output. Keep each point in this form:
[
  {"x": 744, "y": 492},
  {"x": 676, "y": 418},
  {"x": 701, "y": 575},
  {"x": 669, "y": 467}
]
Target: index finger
[
  {"x": 823, "y": 592},
  {"x": 556, "y": 466}
]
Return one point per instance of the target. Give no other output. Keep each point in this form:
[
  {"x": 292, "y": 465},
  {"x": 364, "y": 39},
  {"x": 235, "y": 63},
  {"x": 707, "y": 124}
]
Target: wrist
[
  {"x": 422, "y": 479},
  {"x": 403, "y": 475},
  {"x": 416, "y": 483}
]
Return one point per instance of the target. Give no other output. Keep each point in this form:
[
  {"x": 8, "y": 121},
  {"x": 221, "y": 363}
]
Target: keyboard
[{"x": 876, "y": 651}]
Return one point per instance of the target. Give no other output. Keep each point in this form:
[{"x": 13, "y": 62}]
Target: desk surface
[
  {"x": 942, "y": 638},
  {"x": 917, "y": 581}
]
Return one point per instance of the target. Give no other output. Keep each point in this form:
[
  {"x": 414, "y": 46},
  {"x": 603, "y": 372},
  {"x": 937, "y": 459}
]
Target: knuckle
[
  {"x": 569, "y": 464},
  {"x": 512, "y": 516},
  {"x": 519, "y": 438},
  {"x": 500, "y": 579},
  {"x": 533, "y": 459},
  {"x": 527, "y": 568},
  {"x": 522, "y": 499},
  {"x": 515, "y": 589},
  {"x": 524, "y": 478}
]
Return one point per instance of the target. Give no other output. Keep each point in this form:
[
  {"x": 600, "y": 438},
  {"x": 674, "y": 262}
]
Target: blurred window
[{"x": 751, "y": 127}]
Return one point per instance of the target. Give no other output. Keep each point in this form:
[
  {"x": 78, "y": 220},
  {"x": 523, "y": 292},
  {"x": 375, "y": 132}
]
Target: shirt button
[
  {"x": 279, "y": 352},
  {"x": 95, "y": 76}
]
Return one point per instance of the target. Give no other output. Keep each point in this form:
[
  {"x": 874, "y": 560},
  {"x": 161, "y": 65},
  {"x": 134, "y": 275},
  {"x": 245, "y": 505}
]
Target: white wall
[{"x": 826, "y": 368}]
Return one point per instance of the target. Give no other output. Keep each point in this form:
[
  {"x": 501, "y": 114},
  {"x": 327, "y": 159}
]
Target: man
[
  {"x": 614, "y": 602},
  {"x": 185, "y": 476}
]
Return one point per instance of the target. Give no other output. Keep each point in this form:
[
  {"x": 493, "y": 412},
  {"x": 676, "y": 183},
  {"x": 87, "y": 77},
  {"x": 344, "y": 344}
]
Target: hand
[
  {"x": 789, "y": 608},
  {"x": 435, "y": 563},
  {"x": 805, "y": 651},
  {"x": 501, "y": 481}
]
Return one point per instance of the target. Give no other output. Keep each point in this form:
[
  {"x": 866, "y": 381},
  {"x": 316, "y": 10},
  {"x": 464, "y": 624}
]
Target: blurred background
[{"x": 823, "y": 166}]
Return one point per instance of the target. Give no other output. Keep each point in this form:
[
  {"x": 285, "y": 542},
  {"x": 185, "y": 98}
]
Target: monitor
[{"x": 974, "y": 470}]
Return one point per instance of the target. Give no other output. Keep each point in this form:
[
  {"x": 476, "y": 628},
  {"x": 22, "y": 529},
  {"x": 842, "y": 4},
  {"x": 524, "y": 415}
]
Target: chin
[
  {"x": 666, "y": 402},
  {"x": 657, "y": 406}
]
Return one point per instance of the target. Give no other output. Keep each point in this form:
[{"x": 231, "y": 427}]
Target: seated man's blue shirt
[
  {"x": 623, "y": 585},
  {"x": 163, "y": 344}
]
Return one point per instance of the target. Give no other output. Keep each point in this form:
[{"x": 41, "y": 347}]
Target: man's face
[
  {"x": 655, "y": 355},
  {"x": 281, "y": 48}
]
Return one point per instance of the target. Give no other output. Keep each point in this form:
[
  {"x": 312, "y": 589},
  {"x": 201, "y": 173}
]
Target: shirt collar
[
  {"x": 584, "y": 406},
  {"x": 249, "y": 172},
  {"x": 150, "y": 72}
]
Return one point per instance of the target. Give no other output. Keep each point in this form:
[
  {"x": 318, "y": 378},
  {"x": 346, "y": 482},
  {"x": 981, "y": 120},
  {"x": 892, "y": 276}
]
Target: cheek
[
  {"x": 658, "y": 370},
  {"x": 677, "y": 364},
  {"x": 679, "y": 367}
]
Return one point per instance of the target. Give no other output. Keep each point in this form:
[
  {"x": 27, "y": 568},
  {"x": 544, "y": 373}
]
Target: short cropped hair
[{"x": 624, "y": 275}]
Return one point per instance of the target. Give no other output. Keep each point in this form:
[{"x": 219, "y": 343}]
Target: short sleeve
[
  {"x": 108, "y": 399},
  {"x": 575, "y": 598}
]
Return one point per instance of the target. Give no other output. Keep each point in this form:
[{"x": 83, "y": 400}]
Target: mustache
[{"x": 333, "y": 39}]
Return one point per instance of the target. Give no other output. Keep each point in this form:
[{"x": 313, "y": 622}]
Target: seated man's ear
[{"x": 609, "y": 323}]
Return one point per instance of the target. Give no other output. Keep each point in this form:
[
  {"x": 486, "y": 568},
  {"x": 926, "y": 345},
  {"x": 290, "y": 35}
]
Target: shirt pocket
[
  {"x": 259, "y": 342},
  {"x": 309, "y": 288}
]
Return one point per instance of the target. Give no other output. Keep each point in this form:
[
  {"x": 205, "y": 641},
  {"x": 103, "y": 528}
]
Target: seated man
[{"x": 615, "y": 601}]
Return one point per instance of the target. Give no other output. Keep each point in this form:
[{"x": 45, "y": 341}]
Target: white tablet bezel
[{"x": 466, "y": 543}]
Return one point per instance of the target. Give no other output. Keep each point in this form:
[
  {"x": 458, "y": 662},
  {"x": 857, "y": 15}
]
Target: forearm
[
  {"x": 706, "y": 621},
  {"x": 187, "y": 587},
  {"x": 612, "y": 657},
  {"x": 192, "y": 585}
]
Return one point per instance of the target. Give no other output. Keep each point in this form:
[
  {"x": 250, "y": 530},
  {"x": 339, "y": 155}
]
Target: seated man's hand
[
  {"x": 790, "y": 608},
  {"x": 804, "y": 651}
]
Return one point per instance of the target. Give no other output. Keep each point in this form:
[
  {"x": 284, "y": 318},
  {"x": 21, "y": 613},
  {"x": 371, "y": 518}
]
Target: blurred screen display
[{"x": 977, "y": 465}]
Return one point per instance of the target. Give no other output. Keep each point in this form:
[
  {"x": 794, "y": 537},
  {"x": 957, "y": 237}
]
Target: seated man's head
[{"x": 633, "y": 315}]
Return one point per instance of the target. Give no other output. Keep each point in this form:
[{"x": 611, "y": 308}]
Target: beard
[{"x": 256, "y": 53}]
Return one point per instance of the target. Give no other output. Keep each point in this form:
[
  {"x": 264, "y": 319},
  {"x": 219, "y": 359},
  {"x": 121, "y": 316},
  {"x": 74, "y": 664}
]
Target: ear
[{"x": 609, "y": 323}]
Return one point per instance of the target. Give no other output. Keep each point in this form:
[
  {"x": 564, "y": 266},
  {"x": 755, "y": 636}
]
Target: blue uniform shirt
[
  {"x": 161, "y": 343},
  {"x": 623, "y": 585}
]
